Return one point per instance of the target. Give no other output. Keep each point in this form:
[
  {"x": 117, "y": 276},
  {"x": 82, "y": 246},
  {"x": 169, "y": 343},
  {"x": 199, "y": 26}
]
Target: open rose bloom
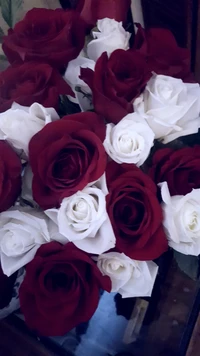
[{"x": 88, "y": 204}]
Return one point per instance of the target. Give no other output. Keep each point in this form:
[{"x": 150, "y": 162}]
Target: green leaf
[
  {"x": 9, "y": 9},
  {"x": 188, "y": 264}
]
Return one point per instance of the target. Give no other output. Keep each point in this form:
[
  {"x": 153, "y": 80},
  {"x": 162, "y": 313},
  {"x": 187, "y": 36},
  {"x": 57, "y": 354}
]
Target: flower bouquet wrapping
[{"x": 97, "y": 179}]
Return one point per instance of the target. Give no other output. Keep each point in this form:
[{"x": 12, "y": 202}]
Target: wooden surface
[
  {"x": 15, "y": 342},
  {"x": 165, "y": 332},
  {"x": 194, "y": 346}
]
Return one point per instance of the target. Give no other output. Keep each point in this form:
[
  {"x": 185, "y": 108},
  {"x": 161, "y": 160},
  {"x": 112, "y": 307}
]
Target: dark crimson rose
[
  {"x": 93, "y": 10},
  {"x": 162, "y": 53},
  {"x": 6, "y": 288},
  {"x": 135, "y": 212},
  {"x": 10, "y": 176},
  {"x": 116, "y": 82},
  {"x": 65, "y": 156},
  {"x": 29, "y": 83},
  {"x": 61, "y": 289},
  {"x": 180, "y": 169},
  {"x": 73, "y": 4},
  {"x": 52, "y": 36}
]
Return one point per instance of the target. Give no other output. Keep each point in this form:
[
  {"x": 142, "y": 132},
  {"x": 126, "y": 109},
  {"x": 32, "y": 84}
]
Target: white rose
[
  {"x": 130, "y": 278},
  {"x": 82, "y": 219},
  {"x": 71, "y": 76},
  {"x": 129, "y": 141},
  {"x": 182, "y": 220},
  {"x": 19, "y": 124},
  {"x": 111, "y": 36},
  {"x": 170, "y": 107},
  {"x": 22, "y": 232}
]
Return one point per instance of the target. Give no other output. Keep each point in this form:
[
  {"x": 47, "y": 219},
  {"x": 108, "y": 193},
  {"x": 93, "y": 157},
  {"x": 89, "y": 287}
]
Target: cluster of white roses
[
  {"x": 83, "y": 220},
  {"x": 166, "y": 110}
]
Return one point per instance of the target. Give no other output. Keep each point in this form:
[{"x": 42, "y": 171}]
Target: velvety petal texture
[
  {"x": 10, "y": 176},
  {"x": 116, "y": 82},
  {"x": 29, "y": 83},
  {"x": 179, "y": 168},
  {"x": 162, "y": 53},
  {"x": 65, "y": 156},
  {"x": 61, "y": 289},
  {"x": 91, "y": 11},
  {"x": 52, "y": 36},
  {"x": 135, "y": 212}
]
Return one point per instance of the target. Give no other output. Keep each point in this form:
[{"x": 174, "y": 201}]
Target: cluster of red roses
[{"x": 62, "y": 282}]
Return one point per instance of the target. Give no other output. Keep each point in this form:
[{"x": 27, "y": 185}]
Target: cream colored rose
[
  {"x": 82, "y": 219},
  {"x": 182, "y": 220},
  {"x": 170, "y": 107},
  {"x": 22, "y": 232},
  {"x": 130, "y": 278},
  {"x": 129, "y": 141},
  {"x": 111, "y": 36},
  {"x": 19, "y": 124}
]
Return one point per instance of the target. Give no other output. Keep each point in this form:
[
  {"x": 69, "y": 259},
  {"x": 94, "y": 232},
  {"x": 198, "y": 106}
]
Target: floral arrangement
[{"x": 96, "y": 178}]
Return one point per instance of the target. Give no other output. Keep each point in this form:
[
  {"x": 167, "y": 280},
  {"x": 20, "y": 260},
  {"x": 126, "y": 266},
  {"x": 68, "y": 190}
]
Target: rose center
[
  {"x": 193, "y": 221},
  {"x": 116, "y": 265},
  {"x": 126, "y": 144},
  {"x": 165, "y": 91},
  {"x": 80, "y": 209},
  {"x": 191, "y": 218},
  {"x": 11, "y": 243},
  {"x": 130, "y": 143}
]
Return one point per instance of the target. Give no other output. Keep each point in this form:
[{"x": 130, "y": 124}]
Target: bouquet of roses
[{"x": 95, "y": 178}]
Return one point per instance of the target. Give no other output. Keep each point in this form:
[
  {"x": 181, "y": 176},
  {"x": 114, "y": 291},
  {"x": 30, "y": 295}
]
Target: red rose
[
  {"x": 29, "y": 83},
  {"x": 52, "y": 36},
  {"x": 135, "y": 212},
  {"x": 180, "y": 169},
  {"x": 6, "y": 288},
  {"x": 61, "y": 289},
  {"x": 10, "y": 176},
  {"x": 99, "y": 9},
  {"x": 162, "y": 52},
  {"x": 91, "y": 10},
  {"x": 65, "y": 156},
  {"x": 116, "y": 82}
]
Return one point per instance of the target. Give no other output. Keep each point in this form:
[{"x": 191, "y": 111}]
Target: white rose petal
[
  {"x": 22, "y": 232},
  {"x": 19, "y": 124},
  {"x": 130, "y": 278},
  {"x": 182, "y": 220},
  {"x": 111, "y": 36},
  {"x": 71, "y": 76},
  {"x": 129, "y": 141},
  {"x": 170, "y": 107},
  {"x": 83, "y": 220}
]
